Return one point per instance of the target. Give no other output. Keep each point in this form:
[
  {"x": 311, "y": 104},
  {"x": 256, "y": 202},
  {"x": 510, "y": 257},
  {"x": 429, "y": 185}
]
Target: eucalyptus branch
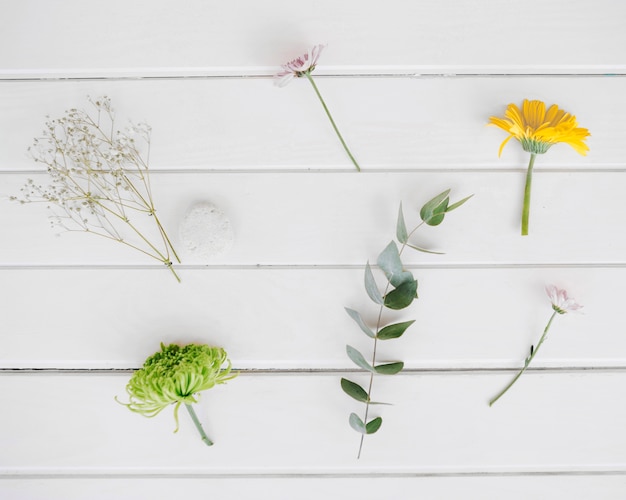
[{"x": 403, "y": 291}]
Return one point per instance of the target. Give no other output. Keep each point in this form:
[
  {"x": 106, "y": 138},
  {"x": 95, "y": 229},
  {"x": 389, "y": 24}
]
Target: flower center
[{"x": 300, "y": 74}]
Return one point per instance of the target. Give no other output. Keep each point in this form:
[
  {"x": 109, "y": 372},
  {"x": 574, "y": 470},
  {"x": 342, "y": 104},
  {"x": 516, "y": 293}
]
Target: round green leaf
[
  {"x": 359, "y": 321},
  {"x": 371, "y": 287},
  {"x": 394, "y": 331},
  {"x": 402, "y": 296},
  {"x": 357, "y": 424},
  {"x": 358, "y": 358},
  {"x": 433, "y": 206},
  {"x": 389, "y": 261},
  {"x": 401, "y": 232},
  {"x": 373, "y": 425},
  {"x": 354, "y": 390},
  {"x": 389, "y": 368}
]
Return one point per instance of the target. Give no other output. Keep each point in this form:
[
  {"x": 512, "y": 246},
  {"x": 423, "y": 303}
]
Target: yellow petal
[
  {"x": 533, "y": 123},
  {"x": 515, "y": 115},
  {"x": 499, "y": 122},
  {"x": 504, "y": 144},
  {"x": 534, "y": 113}
]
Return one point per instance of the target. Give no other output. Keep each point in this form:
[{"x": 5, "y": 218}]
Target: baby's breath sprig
[
  {"x": 99, "y": 179},
  {"x": 176, "y": 375},
  {"x": 401, "y": 296}
]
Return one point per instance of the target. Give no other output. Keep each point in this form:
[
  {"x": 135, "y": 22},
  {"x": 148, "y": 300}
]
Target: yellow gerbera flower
[{"x": 538, "y": 130}]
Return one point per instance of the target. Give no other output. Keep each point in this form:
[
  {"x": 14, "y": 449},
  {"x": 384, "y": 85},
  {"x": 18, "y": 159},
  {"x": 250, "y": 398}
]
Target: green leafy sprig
[{"x": 399, "y": 293}]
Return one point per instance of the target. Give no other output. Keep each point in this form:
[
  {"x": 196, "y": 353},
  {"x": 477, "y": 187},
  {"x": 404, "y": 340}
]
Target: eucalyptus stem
[
  {"x": 526, "y": 208},
  {"x": 198, "y": 425},
  {"x": 527, "y": 362},
  {"x": 378, "y": 322},
  {"x": 369, "y": 388},
  {"x": 343, "y": 143}
]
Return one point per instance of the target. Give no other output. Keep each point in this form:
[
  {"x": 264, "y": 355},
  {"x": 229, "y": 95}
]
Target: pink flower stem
[
  {"x": 526, "y": 209},
  {"x": 343, "y": 143},
  {"x": 198, "y": 425},
  {"x": 527, "y": 362}
]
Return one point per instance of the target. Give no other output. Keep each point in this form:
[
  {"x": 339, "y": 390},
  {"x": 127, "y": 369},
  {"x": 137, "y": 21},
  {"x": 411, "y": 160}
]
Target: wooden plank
[
  {"x": 317, "y": 219},
  {"x": 295, "y": 318},
  {"x": 388, "y": 123},
  {"x": 286, "y": 488},
  {"x": 70, "y": 424},
  {"x": 59, "y": 38}
]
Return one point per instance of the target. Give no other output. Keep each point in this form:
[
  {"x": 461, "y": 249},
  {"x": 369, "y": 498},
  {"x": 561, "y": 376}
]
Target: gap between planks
[
  {"x": 512, "y": 168},
  {"x": 148, "y": 74},
  {"x": 305, "y": 267},
  {"x": 323, "y": 371},
  {"x": 7, "y": 474}
]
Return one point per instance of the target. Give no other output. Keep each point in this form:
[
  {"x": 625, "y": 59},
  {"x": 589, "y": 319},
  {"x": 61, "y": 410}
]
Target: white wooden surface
[{"x": 411, "y": 85}]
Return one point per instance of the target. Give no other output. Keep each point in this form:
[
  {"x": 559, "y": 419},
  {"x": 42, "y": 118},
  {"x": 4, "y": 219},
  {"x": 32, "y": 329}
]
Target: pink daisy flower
[
  {"x": 299, "y": 66},
  {"x": 303, "y": 66},
  {"x": 561, "y": 303}
]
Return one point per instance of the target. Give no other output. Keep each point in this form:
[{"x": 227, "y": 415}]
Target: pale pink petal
[
  {"x": 283, "y": 78},
  {"x": 551, "y": 290},
  {"x": 298, "y": 65},
  {"x": 561, "y": 303}
]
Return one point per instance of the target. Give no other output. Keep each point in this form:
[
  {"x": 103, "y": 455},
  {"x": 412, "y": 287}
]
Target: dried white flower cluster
[{"x": 99, "y": 179}]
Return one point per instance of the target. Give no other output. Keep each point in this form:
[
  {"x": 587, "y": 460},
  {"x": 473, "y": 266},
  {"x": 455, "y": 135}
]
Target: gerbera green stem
[
  {"x": 526, "y": 209},
  {"x": 194, "y": 417},
  {"x": 343, "y": 143},
  {"x": 527, "y": 362}
]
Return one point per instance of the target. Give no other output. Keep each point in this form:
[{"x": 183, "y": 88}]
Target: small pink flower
[
  {"x": 298, "y": 67},
  {"x": 561, "y": 303}
]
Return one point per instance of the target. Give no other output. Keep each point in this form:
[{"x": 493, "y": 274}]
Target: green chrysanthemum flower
[{"x": 176, "y": 375}]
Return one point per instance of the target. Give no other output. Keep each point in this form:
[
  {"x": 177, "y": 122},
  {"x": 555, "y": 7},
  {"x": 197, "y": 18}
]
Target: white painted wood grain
[
  {"x": 294, "y": 318},
  {"x": 388, "y": 123},
  {"x": 62, "y": 37},
  {"x": 610, "y": 487},
  {"x": 348, "y": 218},
  {"x": 298, "y": 424}
]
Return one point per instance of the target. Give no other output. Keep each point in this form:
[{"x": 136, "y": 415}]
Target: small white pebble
[{"x": 205, "y": 232}]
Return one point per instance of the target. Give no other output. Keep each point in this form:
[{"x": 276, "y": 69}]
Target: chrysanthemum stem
[
  {"x": 526, "y": 208},
  {"x": 343, "y": 143},
  {"x": 527, "y": 362},
  {"x": 198, "y": 425}
]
